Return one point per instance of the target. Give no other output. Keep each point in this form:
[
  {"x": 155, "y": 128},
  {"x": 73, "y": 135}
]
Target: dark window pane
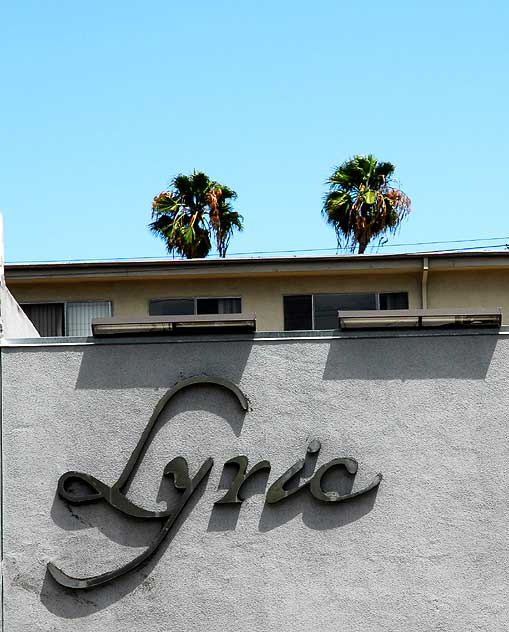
[
  {"x": 327, "y": 306},
  {"x": 394, "y": 300},
  {"x": 47, "y": 318},
  {"x": 218, "y": 306},
  {"x": 171, "y": 307},
  {"x": 297, "y": 312}
]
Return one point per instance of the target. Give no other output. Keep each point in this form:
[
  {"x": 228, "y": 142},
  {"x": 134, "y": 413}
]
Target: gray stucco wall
[{"x": 426, "y": 552}]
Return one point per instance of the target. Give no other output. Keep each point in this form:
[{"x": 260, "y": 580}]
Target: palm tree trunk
[{"x": 362, "y": 246}]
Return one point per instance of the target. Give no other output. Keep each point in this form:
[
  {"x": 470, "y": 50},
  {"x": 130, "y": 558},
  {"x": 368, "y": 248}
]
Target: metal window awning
[
  {"x": 174, "y": 325},
  {"x": 420, "y": 318}
]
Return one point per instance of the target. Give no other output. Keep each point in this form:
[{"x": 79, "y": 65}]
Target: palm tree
[
  {"x": 194, "y": 209},
  {"x": 362, "y": 204}
]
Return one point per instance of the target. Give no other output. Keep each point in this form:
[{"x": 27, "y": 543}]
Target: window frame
[
  {"x": 313, "y": 294},
  {"x": 64, "y": 303},
  {"x": 194, "y": 299}
]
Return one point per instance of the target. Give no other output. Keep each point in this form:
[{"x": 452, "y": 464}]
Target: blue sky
[{"x": 103, "y": 102}]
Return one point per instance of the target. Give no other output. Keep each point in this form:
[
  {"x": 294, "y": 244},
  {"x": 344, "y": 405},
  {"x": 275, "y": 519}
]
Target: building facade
[
  {"x": 314, "y": 479},
  {"x": 379, "y": 500},
  {"x": 296, "y": 293}
]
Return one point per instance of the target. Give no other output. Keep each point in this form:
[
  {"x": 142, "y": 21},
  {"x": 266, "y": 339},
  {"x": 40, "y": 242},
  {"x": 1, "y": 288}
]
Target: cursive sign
[{"x": 91, "y": 489}]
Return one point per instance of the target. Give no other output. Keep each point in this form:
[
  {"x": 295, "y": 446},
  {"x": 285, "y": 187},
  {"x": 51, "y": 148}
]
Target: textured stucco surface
[{"x": 428, "y": 552}]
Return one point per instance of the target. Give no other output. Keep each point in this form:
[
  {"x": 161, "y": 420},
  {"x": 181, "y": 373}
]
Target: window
[
  {"x": 47, "y": 318},
  {"x": 326, "y": 307},
  {"x": 394, "y": 300},
  {"x": 78, "y": 316},
  {"x": 180, "y": 306},
  {"x": 67, "y": 318},
  {"x": 298, "y": 311},
  {"x": 218, "y": 306},
  {"x": 171, "y": 307},
  {"x": 320, "y": 311}
]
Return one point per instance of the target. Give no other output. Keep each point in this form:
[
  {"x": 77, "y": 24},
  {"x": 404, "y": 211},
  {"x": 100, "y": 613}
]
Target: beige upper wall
[
  {"x": 482, "y": 288},
  {"x": 264, "y": 296}
]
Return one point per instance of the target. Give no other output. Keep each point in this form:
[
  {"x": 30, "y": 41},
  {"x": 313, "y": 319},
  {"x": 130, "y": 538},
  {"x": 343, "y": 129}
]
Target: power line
[
  {"x": 387, "y": 245},
  {"x": 463, "y": 249},
  {"x": 479, "y": 247}
]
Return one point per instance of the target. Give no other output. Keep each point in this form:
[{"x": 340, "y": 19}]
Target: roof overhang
[{"x": 251, "y": 267}]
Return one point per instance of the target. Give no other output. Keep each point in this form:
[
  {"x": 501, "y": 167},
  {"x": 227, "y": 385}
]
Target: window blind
[
  {"x": 47, "y": 318},
  {"x": 78, "y": 316}
]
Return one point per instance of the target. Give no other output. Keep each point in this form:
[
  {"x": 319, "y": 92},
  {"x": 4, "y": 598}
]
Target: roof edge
[{"x": 258, "y": 265}]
